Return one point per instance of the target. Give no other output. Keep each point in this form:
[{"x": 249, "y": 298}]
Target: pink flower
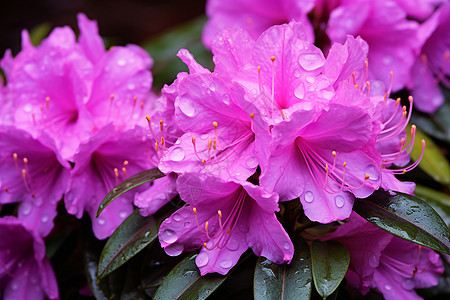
[
  {"x": 391, "y": 37},
  {"x": 225, "y": 219},
  {"x": 380, "y": 260},
  {"x": 25, "y": 271},
  {"x": 70, "y": 90},
  {"x": 32, "y": 173},
  {"x": 433, "y": 65},
  {"x": 254, "y": 16},
  {"x": 102, "y": 162}
]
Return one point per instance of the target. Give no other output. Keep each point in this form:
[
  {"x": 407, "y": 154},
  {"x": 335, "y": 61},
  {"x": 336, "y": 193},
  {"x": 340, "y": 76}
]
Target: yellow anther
[
  {"x": 162, "y": 141},
  {"x": 204, "y": 244},
  {"x": 15, "y": 157},
  {"x": 345, "y": 164},
  {"x": 116, "y": 172},
  {"x": 148, "y": 119},
  {"x": 193, "y": 140},
  {"x": 404, "y": 171},
  {"x": 397, "y": 101},
  {"x": 259, "y": 69},
  {"x": 195, "y": 210},
  {"x": 161, "y": 125},
  {"x": 24, "y": 173},
  {"x": 112, "y": 96},
  {"x": 272, "y": 58},
  {"x": 366, "y": 177},
  {"x": 356, "y": 86},
  {"x": 206, "y": 226},
  {"x": 404, "y": 107},
  {"x": 47, "y": 101},
  {"x": 214, "y": 144},
  {"x": 25, "y": 160},
  {"x": 124, "y": 171},
  {"x": 215, "y": 124},
  {"x": 209, "y": 144},
  {"x": 134, "y": 100},
  {"x": 385, "y": 95},
  {"x": 203, "y": 161},
  {"x": 156, "y": 146},
  {"x": 229, "y": 230},
  {"x": 6, "y": 189},
  {"x": 252, "y": 115},
  {"x": 141, "y": 104},
  {"x": 326, "y": 168},
  {"x": 410, "y": 98},
  {"x": 220, "y": 214},
  {"x": 413, "y": 127},
  {"x": 125, "y": 163},
  {"x": 334, "y": 153}
]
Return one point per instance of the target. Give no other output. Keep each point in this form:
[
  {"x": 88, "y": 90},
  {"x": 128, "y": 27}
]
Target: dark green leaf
[
  {"x": 185, "y": 282},
  {"x": 286, "y": 281},
  {"x": 407, "y": 217},
  {"x": 439, "y": 201},
  {"x": 128, "y": 184},
  {"x": 433, "y": 161},
  {"x": 38, "y": 33},
  {"x": 133, "y": 235},
  {"x": 330, "y": 261}
]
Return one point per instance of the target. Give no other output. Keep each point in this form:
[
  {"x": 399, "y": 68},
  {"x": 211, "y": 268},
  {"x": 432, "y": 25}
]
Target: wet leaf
[
  {"x": 133, "y": 235},
  {"x": 407, "y": 217},
  {"x": 185, "y": 282},
  {"x": 439, "y": 201},
  {"x": 128, "y": 184},
  {"x": 286, "y": 281},
  {"x": 433, "y": 161},
  {"x": 330, "y": 261}
]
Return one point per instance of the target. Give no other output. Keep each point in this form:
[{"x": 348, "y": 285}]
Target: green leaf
[
  {"x": 185, "y": 282},
  {"x": 407, "y": 217},
  {"x": 38, "y": 33},
  {"x": 133, "y": 235},
  {"x": 439, "y": 201},
  {"x": 286, "y": 281},
  {"x": 128, "y": 184},
  {"x": 433, "y": 161},
  {"x": 330, "y": 261}
]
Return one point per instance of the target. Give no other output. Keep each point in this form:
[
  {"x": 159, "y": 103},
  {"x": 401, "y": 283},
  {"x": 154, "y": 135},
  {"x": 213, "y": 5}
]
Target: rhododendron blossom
[{"x": 225, "y": 219}]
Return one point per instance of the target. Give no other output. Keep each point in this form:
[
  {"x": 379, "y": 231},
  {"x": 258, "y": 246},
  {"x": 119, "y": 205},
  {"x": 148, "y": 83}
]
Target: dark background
[{"x": 120, "y": 21}]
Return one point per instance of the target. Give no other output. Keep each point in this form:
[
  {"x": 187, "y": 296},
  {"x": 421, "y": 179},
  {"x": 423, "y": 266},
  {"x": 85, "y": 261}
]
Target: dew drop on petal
[
  {"x": 408, "y": 284},
  {"x": 123, "y": 214},
  {"x": 176, "y": 217},
  {"x": 25, "y": 208},
  {"x": 373, "y": 172},
  {"x": 202, "y": 259},
  {"x": 226, "y": 99},
  {"x": 187, "y": 225},
  {"x": 186, "y": 107},
  {"x": 27, "y": 108},
  {"x": 44, "y": 218},
  {"x": 169, "y": 236},
  {"x": 121, "y": 62},
  {"x": 101, "y": 221},
  {"x": 300, "y": 91},
  {"x": 388, "y": 287},
  {"x": 131, "y": 86},
  {"x": 226, "y": 263},
  {"x": 286, "y": 245},
  {"x": 339, "y": 201},
  {"x": 232, "y": 245},
  {"x": 212, "y": 86},
  {"x": 174, "y": 249},
  {"x": 309, "y": 196},
  {"x": 310, "y": 61},
  {"x": 177, "y": 154},
  {"x": 297, "y": 73}
]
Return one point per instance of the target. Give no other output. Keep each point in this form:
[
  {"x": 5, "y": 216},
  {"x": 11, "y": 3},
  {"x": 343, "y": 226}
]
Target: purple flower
[
  {"x": 380, "y": 260},
  {"x": 101, "y": 163},
  {"x": 25, "y": 271},
  {"x": 32, "y": 173},
  {"x": 432, "y": 66},
  {"x": 254, "y": 16},
  {"x": 225, "y": 219},
  {"x": 391, "y": 37},
  {"x": 70, "y": 90}
]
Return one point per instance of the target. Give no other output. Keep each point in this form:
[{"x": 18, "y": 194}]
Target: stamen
[
  {"x": 366, "y": 69},
  {"x": 156, "y": 147},
  {"x": 391, "y": 75},
  {"x": 161, "y": 125},
  {"x": 354, "y": 78},
  {"x": 149, "y": 121},
  {"x": 162, "y": 141},
  {"x": 25, "y": 181},
  {"x": 124, "y": 171},
  {"x": 47, "y": 102},
  {"x": 252, "y": 115},
  {"x": 198, "y": 157},
  {"x": 368, "y": 88},
  {"x": 273, "y": 82}
]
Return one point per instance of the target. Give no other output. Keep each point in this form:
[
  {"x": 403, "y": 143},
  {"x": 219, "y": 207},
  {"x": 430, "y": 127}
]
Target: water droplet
[
  {"x": 174, "y": 249},
  {"x": 373, "y": 172},
  {"x": 310, "y": 61},
  {"x": 373, "y": 262},
  {"x": 297, "y": 73},
  {"x": 226, "y": 99},
  {"x": 286, "y": 245},
  {"x": 177, "y": 154},
  {"x": 226, "y": 263},
  {"x": 176, "y": 217},
  {"x": 309, "y": 196},
  {"x": 202, "y": 259},
  {"x": 101, "y": 221},
  {"x": 121, "y": 62},
  {"x": 408, "y": 284},
  {"x": 212, "y": 86},
  {"x": 186, "y": 107},
  {"x": 169, "y": 236},
  {"x": 27, "y": 108},
  {"x": 147, "y": 234},
  {"x": 300, "y": 91},
  {"x": 339, "y": 201},
  {"x": 232, "y": 244},
  {"x": 25, "y": 208},
  {"x": 388, "y": 287},
  {"x": 123, "y": 214},
  {"x": 44, "y": 218},
  {"x": 131, "y": 86},
  {"x": 187, "y": 224},
  {"x": 252, "y": 162}
]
